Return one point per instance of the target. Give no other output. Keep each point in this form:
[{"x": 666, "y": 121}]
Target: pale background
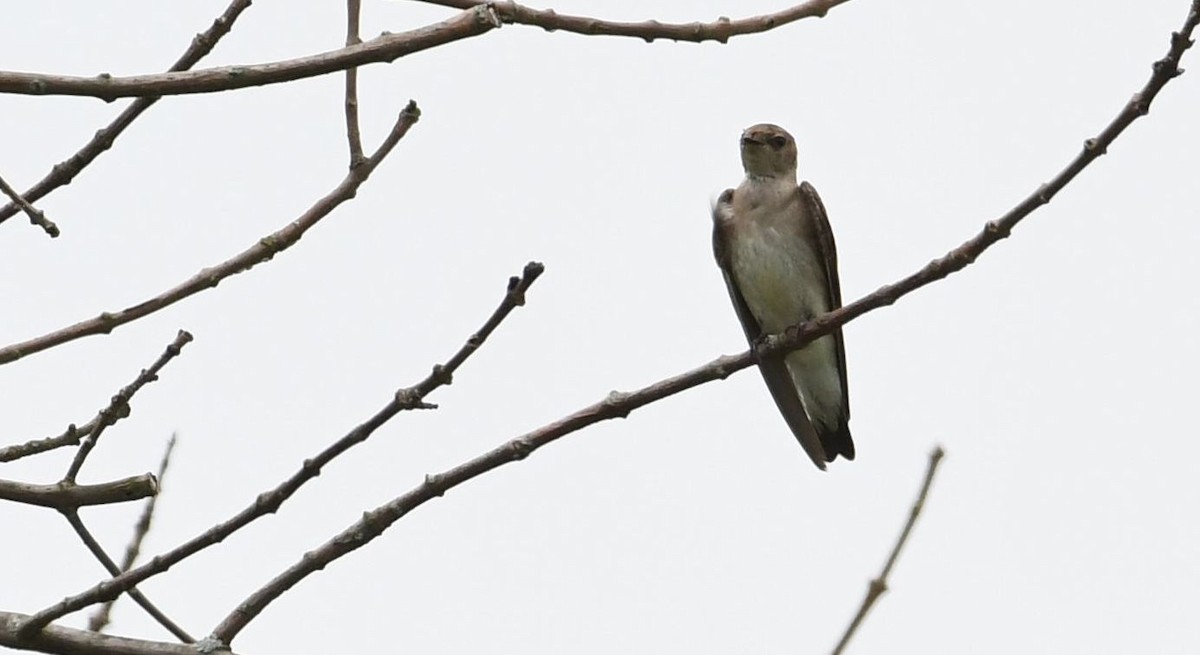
[{"x": 1057, "y": 371}]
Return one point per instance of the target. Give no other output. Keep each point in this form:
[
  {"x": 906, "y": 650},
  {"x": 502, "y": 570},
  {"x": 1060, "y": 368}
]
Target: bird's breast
[{"x": 778, "y": 272}]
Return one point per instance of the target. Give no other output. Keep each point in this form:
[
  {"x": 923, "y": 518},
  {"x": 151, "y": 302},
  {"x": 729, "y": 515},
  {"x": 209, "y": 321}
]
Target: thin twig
[
  {"x": 381, "y": 49},
  {"x": 70, "y": 437},
  {"x": 879, "y": 585},
  {"x": 63, "y": 172},
  {"x": 264, "y": 250},
  {"x": 118, "y": 408},
  {"x": 109, "y": 565},
  {"x": 270, "y": 501},
  {"x": 353, "y": 133},
  {"x": 100, "y": 618},
  {"x": 36, "y": 216},
  {"x": 371, "y": 526},
  {"x": 720, "y": 30}
]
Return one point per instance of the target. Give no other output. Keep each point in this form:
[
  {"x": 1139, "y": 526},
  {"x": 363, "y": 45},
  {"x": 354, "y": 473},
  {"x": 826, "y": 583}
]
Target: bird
[{"x": 774, "y": 246}]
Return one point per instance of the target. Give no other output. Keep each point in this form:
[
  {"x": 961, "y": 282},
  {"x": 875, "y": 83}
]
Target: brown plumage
[{"x": 774, "y": 245}]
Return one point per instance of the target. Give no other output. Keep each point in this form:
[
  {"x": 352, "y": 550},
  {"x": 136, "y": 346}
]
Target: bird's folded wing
[{"x": 774, "y": 370}]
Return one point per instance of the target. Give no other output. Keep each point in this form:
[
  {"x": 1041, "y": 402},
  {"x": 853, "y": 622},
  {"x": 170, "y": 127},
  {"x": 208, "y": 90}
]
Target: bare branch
[
  {"x": 70, "y": 437},
  {"x": 100, "y": 619},
  {"x": 36, "y": 216},
  {"x": 384, "y": 48},
  {"x": 879, "y": 585},
  {"x": 118, "y": 408},
  {"x": 268, "y": 502},
  {"x": 138, "y": 597},
  {"x": 374, "y": 523},
  {"x": 65, "y": 171},
  {"x": 353, "y": 132},
  {"x": 264, "y": 250},
  {"x": 68, "y": 641},
  {"x": 65, "y": 496},
  {"x": 720, "y": 30}
]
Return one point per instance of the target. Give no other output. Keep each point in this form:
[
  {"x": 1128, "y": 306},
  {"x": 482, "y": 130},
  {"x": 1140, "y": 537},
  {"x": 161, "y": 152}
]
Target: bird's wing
[
  {"x": 774, "y": 370},
  {"x": 828, "y": 253}
]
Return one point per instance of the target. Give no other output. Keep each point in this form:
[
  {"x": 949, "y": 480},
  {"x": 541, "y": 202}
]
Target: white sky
[{"x": 1057, "y": 371}]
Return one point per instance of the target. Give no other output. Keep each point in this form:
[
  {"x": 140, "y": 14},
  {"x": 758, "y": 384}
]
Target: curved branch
[
  {"x": 720, "y": 30},
  {"x": 63, "y": 172},
  {"x": 260, "y": 252},
  {"x": 384, "y": 48}
]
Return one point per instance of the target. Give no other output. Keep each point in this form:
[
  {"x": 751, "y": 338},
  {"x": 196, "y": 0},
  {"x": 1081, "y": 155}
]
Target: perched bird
[{"x": 772, "y": 241}]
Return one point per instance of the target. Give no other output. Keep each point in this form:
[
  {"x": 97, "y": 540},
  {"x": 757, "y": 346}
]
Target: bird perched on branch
[{"x": 773, "y": 243}]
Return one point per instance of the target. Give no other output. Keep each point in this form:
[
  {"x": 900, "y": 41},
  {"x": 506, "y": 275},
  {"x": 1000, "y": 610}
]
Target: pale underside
[{"x": 782, "y": 278}]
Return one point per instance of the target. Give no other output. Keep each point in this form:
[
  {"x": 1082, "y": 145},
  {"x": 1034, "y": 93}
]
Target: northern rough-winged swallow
[{"x": 773, "y": 242}]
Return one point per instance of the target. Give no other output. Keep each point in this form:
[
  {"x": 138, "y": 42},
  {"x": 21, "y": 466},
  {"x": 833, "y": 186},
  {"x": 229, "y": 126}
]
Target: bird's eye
[{"x": 778, "y": 142}]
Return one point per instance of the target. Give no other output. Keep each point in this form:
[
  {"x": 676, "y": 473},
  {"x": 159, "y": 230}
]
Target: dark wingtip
[{"x": 838, "y": 442}]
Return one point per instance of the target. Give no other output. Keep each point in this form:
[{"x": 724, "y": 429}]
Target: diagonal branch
[
  {"x": 372, "y": 525},
  {"x": 879, "y": 584},
  {"x": 36, "y": 216},
  {"x": 117, "y": 409},
  {"x": 109, "y": 565},
  {"x": 264, "y": 250},
  {"x": 100, "y": 619},
  {"x": 720, "y": 30},
  {"x": 384, "y": 48},
  {"x": 65, "y": 171},
  {"x": 268, "y": 502}
]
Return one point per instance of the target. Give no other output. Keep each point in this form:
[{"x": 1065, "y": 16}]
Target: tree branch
[
  {"x": 65, "y": 496},
  {"x": 270, "y": 501},
  {"x": 264, "y": 250},
  {"x": 879, "y": 585},
  {"x": 720, "y": 30},
  {"x": 36, "y": 216},
  {"x": 68, "y": 641},
  {"x": 373, "y": 523},
  {"x": 138, "y": 597},
  {"x": 118, "y": 408},
  {"x": 65, "y": 171},
  {"x": 100, "y": 619},
  {"x": 384, "y": 48},
  {"x": 353, "y": 132}
]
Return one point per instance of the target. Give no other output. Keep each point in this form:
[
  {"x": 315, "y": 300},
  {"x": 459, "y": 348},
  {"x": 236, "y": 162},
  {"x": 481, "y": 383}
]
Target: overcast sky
[{"x": 1057, "y": 371}]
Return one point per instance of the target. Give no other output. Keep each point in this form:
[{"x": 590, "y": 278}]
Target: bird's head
[{"x": 768, "y": 151}]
